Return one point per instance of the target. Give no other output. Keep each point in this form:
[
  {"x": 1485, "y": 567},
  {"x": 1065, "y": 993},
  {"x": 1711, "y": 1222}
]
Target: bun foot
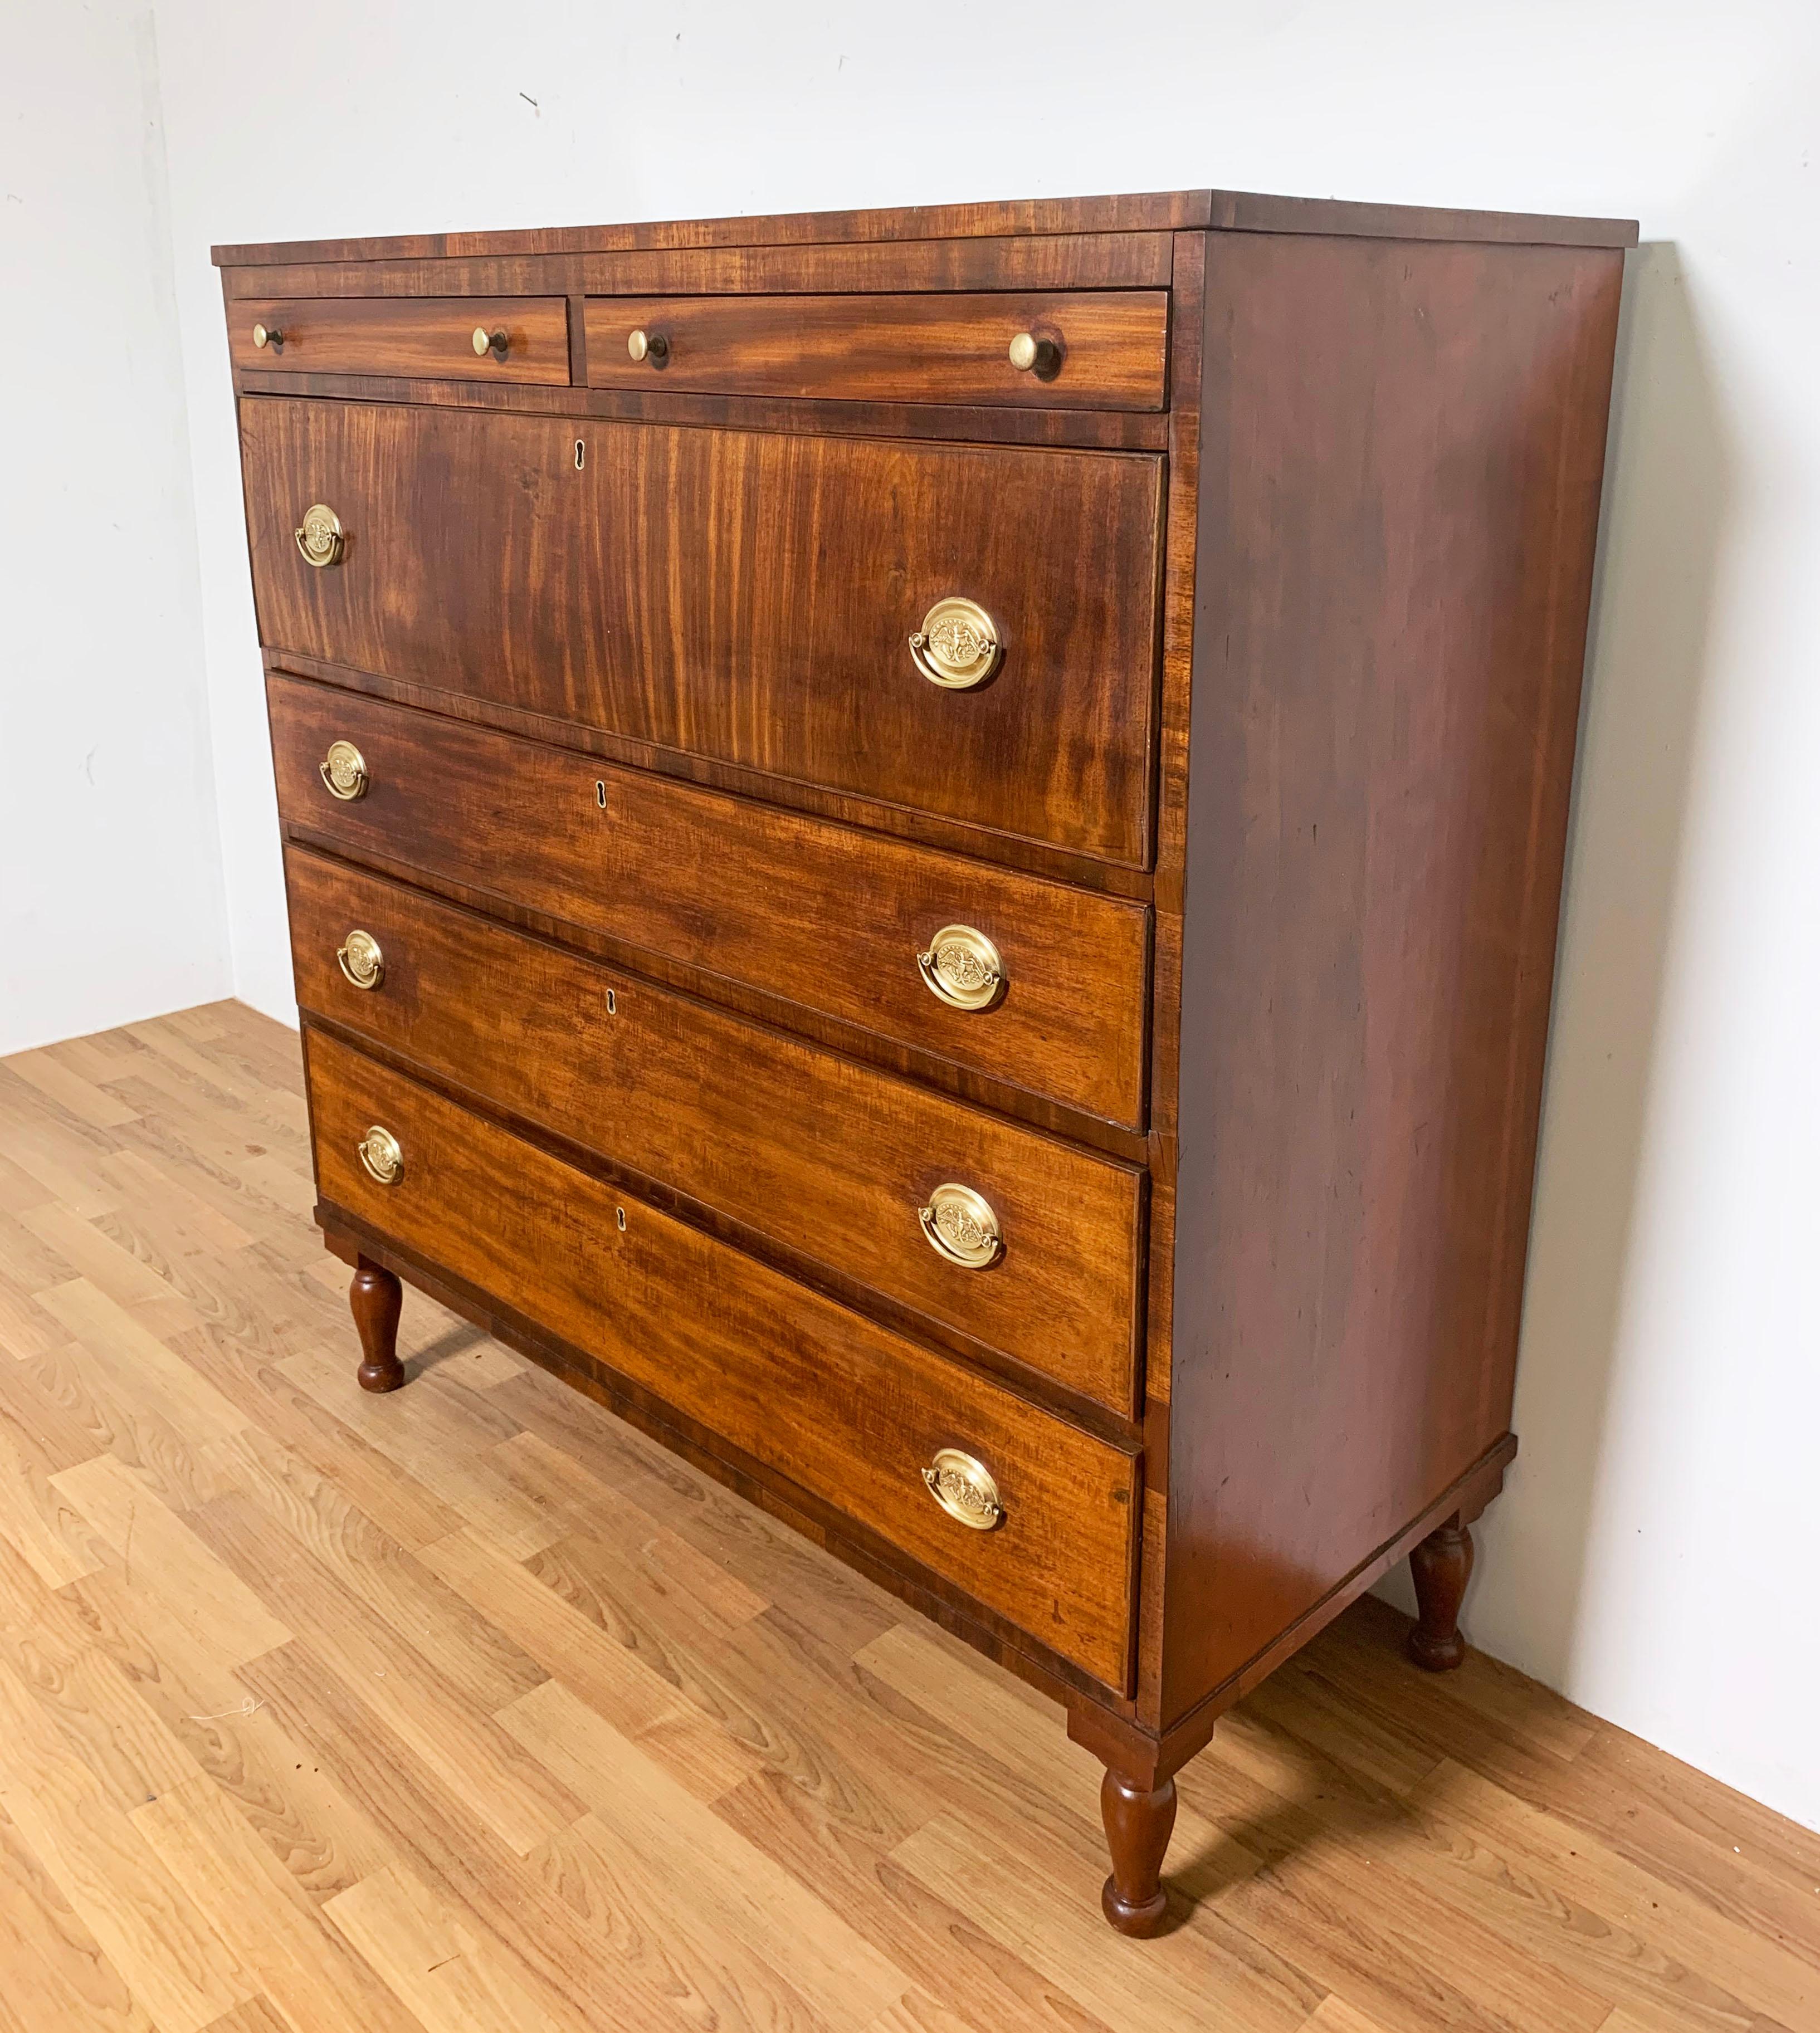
[
  {"x": 377, "y": 1299},
  {"x": 1442, "y": 1566},
  {"x": 1138, "y": 1825}
]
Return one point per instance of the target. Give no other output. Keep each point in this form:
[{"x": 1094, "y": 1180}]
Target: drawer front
[
  {"x": 746, "y": 596},
  {"x": 1099, "y": 349},
  {"x": 840, "y": 1406},
  {"x": 821, "y": 915},
  {"x": 426, "y": 338},
  {"x": 830, "y": 1158}
]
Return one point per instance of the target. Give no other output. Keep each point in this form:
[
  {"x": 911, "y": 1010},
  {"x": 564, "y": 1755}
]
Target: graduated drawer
[
  {"x": 1081, "y": 350},
  {"x": 835, "y": 1161},
  {"x": 845, "y": 1409},
  {"x": 426, "y": 338},
  {"x": 817, "y": 914},
  {"x": 746, "y": 596}
]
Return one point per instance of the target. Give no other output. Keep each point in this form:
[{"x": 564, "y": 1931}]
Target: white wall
[
  {"x": 1655, "y": 1553},
  {"x": 111, "y": 904}
]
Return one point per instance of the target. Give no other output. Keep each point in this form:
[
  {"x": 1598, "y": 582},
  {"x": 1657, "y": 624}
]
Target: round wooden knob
[{"x": 651, "y": 346}]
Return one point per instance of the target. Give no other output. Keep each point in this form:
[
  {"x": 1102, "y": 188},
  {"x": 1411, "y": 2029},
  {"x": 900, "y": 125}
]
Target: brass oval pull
[
  {"x": 651, "y": 346},
  {"x": 957, "y": 647},
  {"x": 961, "y": 1226},
  {"x": 963, "y": 968},
  {"x": 321, "y": 538},
  {"x": 343, "y": 772},
  {"x": 361, "y": 958},
  {"x": 382, "y": 1155},
  {"x": 268, "y": 335},
  {"x": 1032, "y": 355},
  {"x": 485, "y": 341},
  {"x": 964, "y": 1488}
]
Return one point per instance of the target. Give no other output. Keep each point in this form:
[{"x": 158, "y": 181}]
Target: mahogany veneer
[{"x": 1281, "y": 516}]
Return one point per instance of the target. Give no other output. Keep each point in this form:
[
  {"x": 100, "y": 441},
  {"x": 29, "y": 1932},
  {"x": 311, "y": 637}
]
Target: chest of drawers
[{"x": 923, "y": 851}]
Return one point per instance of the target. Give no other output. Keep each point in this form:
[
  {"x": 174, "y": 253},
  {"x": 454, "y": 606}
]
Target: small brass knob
[
  {"x": 268, "y": 335},
  {"x": 383, "y": 1156},
  {"x": 1032, "y": 355},
  {"x": 320, "y": 537},
  {"x": 957, "y": 647},
  {"x": 361, "y": 958},
  {"x": 343, "y": 772},
  {"x": 961, "y": 1226},
  {"x": 485, "y": 341},
  {"x": 962, "y": 968},
  {"x": 651, "y": 346},
  {"x": 964, "y": 1488}
]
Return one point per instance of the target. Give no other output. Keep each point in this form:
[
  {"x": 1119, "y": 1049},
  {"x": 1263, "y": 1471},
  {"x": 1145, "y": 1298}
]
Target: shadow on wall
[{"x": 1667, "y": 492}]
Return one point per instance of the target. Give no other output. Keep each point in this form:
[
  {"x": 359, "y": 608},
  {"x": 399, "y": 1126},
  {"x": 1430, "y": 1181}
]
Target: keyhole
[
  {"x": 581, "y": 455},
  {"x": 612, "y": 1005},
  {"x": 621, "y": 1213},
  {"x": 601, "y": 792}
]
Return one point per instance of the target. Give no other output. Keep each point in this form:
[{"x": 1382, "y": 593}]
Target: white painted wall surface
[
  {"x": 111, "y": 904},
  {"x": 1655, "y": 1553}
]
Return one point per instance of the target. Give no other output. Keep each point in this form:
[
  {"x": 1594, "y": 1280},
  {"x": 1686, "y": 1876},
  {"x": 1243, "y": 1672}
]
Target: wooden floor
[{"x": 467, "y": 1708}]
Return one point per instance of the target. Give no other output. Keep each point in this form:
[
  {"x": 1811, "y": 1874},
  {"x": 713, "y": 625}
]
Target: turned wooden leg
[
  {"x": 377, "y": 1299},
  {"x": 1442, "y": 1566},
  {"x": 1137, "y": 1830}
]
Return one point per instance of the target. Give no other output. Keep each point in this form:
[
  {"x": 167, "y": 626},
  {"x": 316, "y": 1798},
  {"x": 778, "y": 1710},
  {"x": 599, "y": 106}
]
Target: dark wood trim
[{"x": 1238, "y": 212}]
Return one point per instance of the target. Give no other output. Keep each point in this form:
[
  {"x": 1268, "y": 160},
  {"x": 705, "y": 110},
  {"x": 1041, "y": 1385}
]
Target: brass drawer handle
[
  {"x": 957, "y": 647},
  {"x": 268, "y": 335},
  {"x": 321, "y": 538},
  {"x": 961, "y": 1226},
  {"x": 964, "y": 1489},
  {"x": 485, "y": 341},
  {"x": 962, "y": 967},
  {"x": 651, "y": 346},
  {"x": 361, "y": 958},
  {"x": 381, "y": 1154},
  {"x": 343, "y": 771},
  {"x": 1032, "y": 355}
]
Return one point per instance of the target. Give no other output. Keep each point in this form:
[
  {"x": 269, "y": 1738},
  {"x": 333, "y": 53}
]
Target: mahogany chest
[{"x": 923, "y": 849}]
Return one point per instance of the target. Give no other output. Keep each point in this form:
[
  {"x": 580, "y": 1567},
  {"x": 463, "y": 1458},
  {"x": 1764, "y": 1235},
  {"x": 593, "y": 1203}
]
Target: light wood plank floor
[{"x": 468, "y": 1707}]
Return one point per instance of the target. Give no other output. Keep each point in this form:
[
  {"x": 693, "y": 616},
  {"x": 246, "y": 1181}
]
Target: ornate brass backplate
[
  {"x": 964, "y": 1488},
  {"x": 343, "y": 771},
  {"x": 321, "y": 536},
  {"x": 361, "y": 958},
  {"x": 961, "y": 1226},
  {"x": 962, "y": 967},
  {"x": 382, "y": 1155},
  {"x": 957, "y": 647}
]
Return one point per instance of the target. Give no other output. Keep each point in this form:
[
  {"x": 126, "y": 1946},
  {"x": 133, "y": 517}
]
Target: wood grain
[
  {"x": 828, "y": 1160},
  {"x": 1563, "y": 1874},
  {"x": 849, "y": 1411},
  {"x": 926, "y": 348},
  {"x": 480, "y": 560},
  {"x": 409, "y": 336},
  {"x": 816, "y": 913}
]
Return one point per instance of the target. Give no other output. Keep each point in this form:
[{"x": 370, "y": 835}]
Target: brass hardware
[
  {"x": 380, "y": 1153},
  {"x": 1032, "y": 355},
  {"x": 361, "y": 958},
  {"x": 957, "y": 646},
  {"x": 343, "y": 770},
  {"x": 964, "y": 1489},
  {"x": 962, "y": 967},
  {"x": 650, "y": 345},
  {"x": 321, "y": 538},
  {"x": 485, "y": 341},
  {"x": 268, "y": 335},
  {"x": 961, "y": 1226}
]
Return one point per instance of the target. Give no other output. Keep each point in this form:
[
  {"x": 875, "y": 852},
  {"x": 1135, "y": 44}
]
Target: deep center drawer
[
  {"x": 746, "y": 596},
  {"x": 843, "y": 1165}
]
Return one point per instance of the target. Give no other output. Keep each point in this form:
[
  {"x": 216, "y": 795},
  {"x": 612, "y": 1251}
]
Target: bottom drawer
[{"x": 842, "y": 1406}]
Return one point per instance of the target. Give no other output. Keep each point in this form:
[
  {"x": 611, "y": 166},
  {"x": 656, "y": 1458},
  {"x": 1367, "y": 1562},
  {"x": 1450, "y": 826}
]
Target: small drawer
[
  {"x": 826, "y": 916},
  {"x": 911, "y": 1445},
  {"x": 1100, "y": 349},
  {"x": 455, "y": 338},
  {"x": 868, "y": 1175}
]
